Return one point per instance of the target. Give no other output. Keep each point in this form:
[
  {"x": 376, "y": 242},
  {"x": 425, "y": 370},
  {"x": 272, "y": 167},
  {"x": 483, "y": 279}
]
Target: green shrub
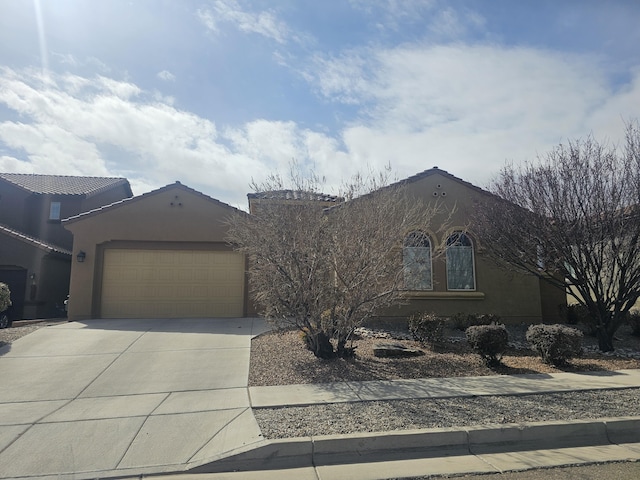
[
  {"x": 634, "y": 323},
  {"x": 462, "y": 321},
  {"x": 556, "y": 344},
  {"x": 5, "y": 297},
  {"x": 426, "y": 328},
  {"x": 489, "y": 341}
]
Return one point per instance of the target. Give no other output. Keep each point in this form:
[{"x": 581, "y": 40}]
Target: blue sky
[{"x": 217, "y": 93}]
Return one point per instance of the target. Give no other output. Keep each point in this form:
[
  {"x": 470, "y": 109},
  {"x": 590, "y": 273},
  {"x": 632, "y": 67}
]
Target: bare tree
[
  {"x": 572, "y": 218},
  {"x": 324, "y": 271}
]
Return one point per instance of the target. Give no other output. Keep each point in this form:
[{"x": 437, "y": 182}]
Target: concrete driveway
[{"x": 125, "y": 397}]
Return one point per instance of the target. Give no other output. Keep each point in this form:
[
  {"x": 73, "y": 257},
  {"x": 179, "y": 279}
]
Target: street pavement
[{"x": 102, "y": 398}]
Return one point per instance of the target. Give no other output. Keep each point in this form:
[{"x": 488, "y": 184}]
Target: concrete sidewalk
[{"x": 310, "y": 394}]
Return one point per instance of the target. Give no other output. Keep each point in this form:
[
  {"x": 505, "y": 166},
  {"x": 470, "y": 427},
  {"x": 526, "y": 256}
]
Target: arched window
[
  {"x": 416, "y": 258},
  {"x": 460, "y": 265}
]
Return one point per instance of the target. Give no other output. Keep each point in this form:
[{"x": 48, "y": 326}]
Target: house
[
  {"x": 35, "y": 249},
  {"x": 158, "y": 255},
  {"x": 446, "y": 269},
  {"x": 164, "y": 254}
]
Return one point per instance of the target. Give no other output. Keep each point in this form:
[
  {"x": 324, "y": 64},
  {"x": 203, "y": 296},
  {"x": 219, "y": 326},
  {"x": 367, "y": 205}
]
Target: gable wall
[
  {"x": 515, "y": 296},
  {"x": 174, "y": 218}
]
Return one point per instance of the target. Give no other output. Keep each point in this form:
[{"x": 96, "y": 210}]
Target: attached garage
[
  {"x": 159, "y": 255},
  {"x": 171, "y": 284}
]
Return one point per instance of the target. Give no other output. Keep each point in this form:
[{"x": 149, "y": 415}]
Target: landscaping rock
[{"x": 395, "y": 350}]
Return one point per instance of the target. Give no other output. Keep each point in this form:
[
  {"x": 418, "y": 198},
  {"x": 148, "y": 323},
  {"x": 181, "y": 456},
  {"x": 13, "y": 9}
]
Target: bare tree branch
[
  {"x": 572, "y": 218},
  {"x": 325, "y": 271}
]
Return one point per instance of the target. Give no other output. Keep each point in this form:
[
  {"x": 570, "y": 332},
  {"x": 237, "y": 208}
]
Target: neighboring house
[
  {"x": 164, "y": 254},
  {"x": 158, "y": 255},
  {"x": 35, "y": 249}
]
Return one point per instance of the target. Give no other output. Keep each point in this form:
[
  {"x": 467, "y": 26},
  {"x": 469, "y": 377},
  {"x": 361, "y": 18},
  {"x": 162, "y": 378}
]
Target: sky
[{"x": 217, "y": 94}]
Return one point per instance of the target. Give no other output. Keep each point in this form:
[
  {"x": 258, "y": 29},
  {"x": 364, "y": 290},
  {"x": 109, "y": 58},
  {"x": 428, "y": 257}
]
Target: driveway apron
[{"x": 125, "y": 397}]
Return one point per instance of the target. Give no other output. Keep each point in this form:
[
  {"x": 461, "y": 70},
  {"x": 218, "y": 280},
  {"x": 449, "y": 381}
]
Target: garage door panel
[{"x": 172, "y": 283}]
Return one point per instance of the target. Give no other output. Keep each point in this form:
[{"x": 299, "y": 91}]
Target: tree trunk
[
  {"x": 342, "y": 350},
  {"x": 605, "y": 341},
  {"x": 320, "y": 345}
]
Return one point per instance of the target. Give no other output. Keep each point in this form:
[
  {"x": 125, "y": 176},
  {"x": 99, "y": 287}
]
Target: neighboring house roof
[
  {"x": 128, "y": 201},
  {"x": 295, "y": 195},
  {"x": 33, "y": 240},
  {"x": 64, "y": 185}
]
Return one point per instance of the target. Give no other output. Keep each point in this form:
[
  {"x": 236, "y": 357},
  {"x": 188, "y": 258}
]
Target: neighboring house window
[
  {"x": 54, "y": 211},
  {"x": 416, "y": 258},
  {"x": 460, "y": 269}
]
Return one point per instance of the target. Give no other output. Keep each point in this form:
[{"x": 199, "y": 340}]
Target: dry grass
[{"x": 282, "y": 359}]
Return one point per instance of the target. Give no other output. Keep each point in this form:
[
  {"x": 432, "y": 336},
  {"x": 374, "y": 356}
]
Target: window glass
[
  {"x": 416, "y": 257},
  {"x": 54, "y": 211},
  {"x": 460, "y": 269}
]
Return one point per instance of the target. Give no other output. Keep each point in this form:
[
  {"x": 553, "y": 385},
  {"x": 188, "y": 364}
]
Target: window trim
[{"x": 473, "y": 262}]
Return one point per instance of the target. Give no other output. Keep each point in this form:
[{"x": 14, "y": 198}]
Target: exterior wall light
[{"x": 81, "y": 256}]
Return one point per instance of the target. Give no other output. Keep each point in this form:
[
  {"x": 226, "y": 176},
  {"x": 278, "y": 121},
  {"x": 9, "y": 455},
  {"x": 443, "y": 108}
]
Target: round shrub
[
  {"x": 556, "y": 344},
  {"x": 634, "y": 323},
  {"x": 489, "y": 341},
  {"x": 462, "y": 321},
  {"x": 426, "y": 328},
  {"x": 5, "y": 297}
]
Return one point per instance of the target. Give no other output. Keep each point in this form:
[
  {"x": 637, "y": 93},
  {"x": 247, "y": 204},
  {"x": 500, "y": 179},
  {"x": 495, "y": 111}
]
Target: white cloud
[
  {"x": 468, "y": 108},
  {"x": 344, "y": 79},
  {"x": 166, "y": 75},
  {"x": 434, "y": 16},
  {"x": 208, "y": 19},
  {"x": 102, "y": 126},
  {"x": 13, "y": 165},
  {"x": 450, "y": 23},
  {"x": 264, "y": 23},
  {"x": 464, "y": 108},
  {"x": 65, "y": 59}
]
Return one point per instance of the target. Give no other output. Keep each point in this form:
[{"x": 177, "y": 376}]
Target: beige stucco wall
[
  {"x": 514, "y": 296},
  {"x": 174, "y": 217}
]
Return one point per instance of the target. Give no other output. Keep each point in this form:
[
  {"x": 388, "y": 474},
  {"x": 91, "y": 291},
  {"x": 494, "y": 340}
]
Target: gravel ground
[
  {"x": 282, "y": 359},
  {"x": 22, "y": 328},
  {"x": 342, "y": 418}
]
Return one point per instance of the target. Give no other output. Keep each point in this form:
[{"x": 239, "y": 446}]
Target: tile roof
[
  {"x": 32, "y": 240},
  {"x": 295, "y": 195},
  {"x": 62, "y": 184}
]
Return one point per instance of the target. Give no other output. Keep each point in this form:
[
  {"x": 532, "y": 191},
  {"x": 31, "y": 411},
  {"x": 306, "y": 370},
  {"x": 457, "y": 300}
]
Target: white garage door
[{"x": 172, "y": 284}]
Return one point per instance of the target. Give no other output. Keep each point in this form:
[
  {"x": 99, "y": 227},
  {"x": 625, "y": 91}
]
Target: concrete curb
[{"x": 427, "y": 443}]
